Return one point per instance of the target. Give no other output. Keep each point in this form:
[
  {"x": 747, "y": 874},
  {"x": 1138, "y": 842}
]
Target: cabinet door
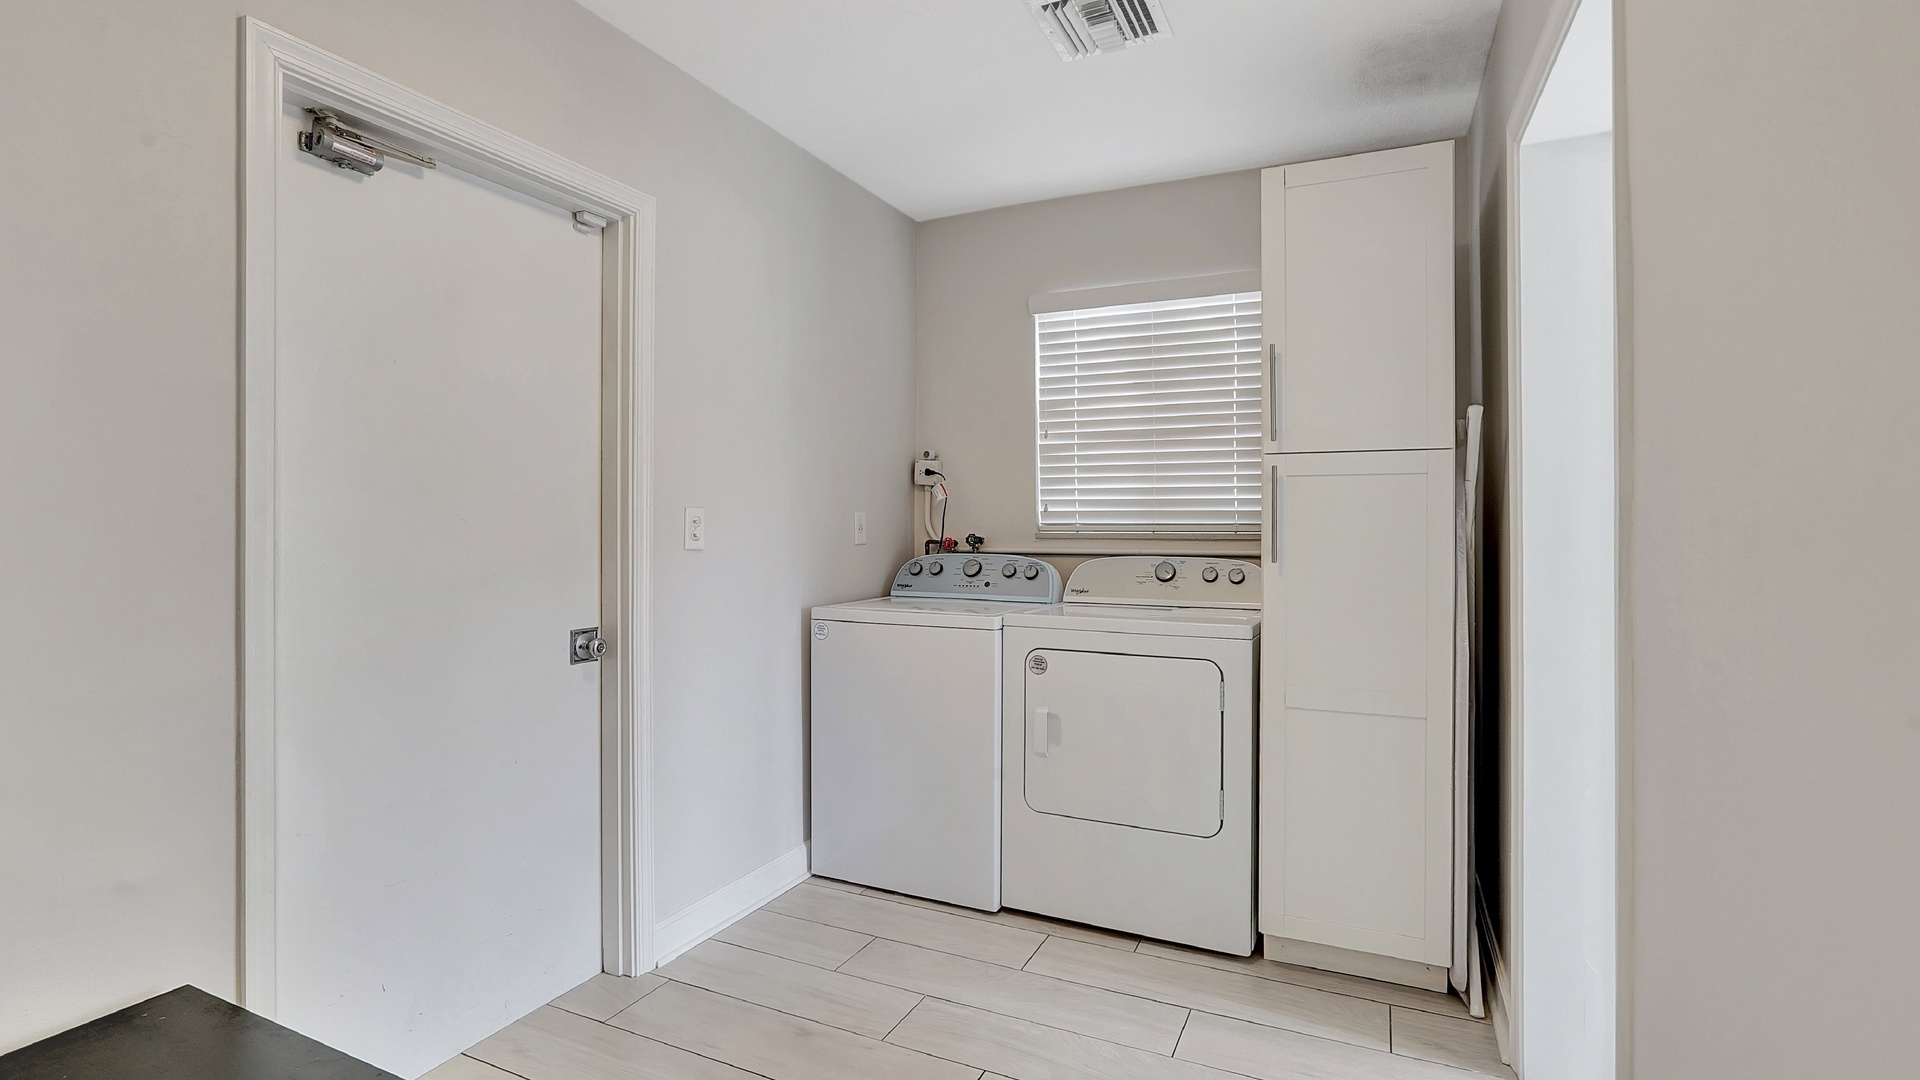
[
  {"x": 1357, "y": 271},
  {"x": 1356, "y": 737}
]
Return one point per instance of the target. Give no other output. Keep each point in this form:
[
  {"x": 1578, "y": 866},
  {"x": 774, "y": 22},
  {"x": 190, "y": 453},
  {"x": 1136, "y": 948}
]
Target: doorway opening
[{"x": 1565, "y": 556}]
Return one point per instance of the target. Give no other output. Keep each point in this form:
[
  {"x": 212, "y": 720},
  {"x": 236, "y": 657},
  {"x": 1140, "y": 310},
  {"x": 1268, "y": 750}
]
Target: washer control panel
[
  {"x": 1166, "y": 582},
  {"x": 1014, "y": 578}
]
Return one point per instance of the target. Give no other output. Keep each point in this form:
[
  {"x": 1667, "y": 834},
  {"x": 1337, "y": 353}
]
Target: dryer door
[{"x": 1130, "y": 740}]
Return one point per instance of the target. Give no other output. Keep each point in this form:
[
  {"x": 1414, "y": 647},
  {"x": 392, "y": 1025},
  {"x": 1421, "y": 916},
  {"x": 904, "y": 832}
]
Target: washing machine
[
  {"x": 906, "y": 723},
  {"x": 1129, "y": 751}
]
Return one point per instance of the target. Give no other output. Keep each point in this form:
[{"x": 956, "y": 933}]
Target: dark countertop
[{"x": 184, "y": 1034}]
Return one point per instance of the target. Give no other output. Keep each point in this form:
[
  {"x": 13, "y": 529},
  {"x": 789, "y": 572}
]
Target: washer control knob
[
  {"x": 916, "y": 569},
  {"x": 936, "y": 568},
  {"x": 1009, "y": 570},
  {"x": 972, "y": 568},
  {"x": 1164, "y": 572},
  {"x": 1210, "y": 575},
  {"x": 1237, "y": 576},
  {"x": 1032, "y": 571}
]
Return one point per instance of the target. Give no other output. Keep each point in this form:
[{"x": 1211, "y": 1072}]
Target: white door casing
[{"x": 280, "y": 71}]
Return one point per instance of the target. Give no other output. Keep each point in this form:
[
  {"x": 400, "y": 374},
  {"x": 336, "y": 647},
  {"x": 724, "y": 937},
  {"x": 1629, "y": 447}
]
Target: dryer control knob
[
  {"x": 1009, "y": 570},
  {"x": 915, "y": 569},
  {"x": 1164, "y": 572},
  {"x": 936, "y": 568},
  {"x": 1032, "y": 571},
  {"x": 1237, "y": 576},
  {"x": 1210, "y": 575},
  {"x": 972, "y": 568}
]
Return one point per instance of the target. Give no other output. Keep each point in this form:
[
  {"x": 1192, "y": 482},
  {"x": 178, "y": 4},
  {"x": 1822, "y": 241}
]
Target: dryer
[
  {"x": 1128, "y": 789},
  {"x": 906, "y": 727}
]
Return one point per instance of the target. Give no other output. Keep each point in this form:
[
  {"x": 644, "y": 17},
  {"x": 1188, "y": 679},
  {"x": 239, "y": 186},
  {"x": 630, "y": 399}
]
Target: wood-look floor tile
[
  {"x": 1039, "y": 924},
  {"x": 1024, "y": 1050},
  {"x": 1331, "y": 981},
  {"x": 1227, "y": 993},
  {"x": 603, "y": 995},
  {"x": 1273, "y": 1054},
  {"x": 466, "y": 1068},
  {"x": 1463, "y": 1044},
  {"x": 772, "y": 1043},
  {"x": 834, "y": 883},
  {"x": 796, "y": 939},
  {"x": 936, "y": 930},
  {"x": 552, "y": 1044},
  {"x": 842, "y": 1001},
  {"x": 1103, "y": 1014}
]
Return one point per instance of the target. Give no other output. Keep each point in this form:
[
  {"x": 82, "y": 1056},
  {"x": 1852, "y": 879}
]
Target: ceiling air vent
[{"x": 1081, "y": 28}]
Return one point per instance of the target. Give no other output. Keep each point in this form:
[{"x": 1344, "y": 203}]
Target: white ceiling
[{"x": 945, "y": 106}]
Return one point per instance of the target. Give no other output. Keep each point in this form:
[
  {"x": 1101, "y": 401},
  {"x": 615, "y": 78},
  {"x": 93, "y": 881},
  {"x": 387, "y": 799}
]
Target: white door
[
  {"x": 438, "y": 537},
  {"x": 1357, "y": 261},
  {"x": 1356, "y": 736},
  {"x": 1128, "y": 740}
]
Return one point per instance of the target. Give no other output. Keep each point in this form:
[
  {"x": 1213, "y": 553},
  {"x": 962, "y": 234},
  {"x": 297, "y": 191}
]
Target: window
[{"x": 1149, "y": 418}]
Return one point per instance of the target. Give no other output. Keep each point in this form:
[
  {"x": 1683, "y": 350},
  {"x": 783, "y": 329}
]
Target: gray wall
[
  {"x": 1773, "y": 563},
  {"x": 784, "y": 403},
  {"x": 1770, "y": 584},
  {"x": 974, "y": 335}
]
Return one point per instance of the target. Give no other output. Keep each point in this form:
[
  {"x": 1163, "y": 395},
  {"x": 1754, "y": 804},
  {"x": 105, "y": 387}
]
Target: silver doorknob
[{"x": 587, "y": 645}]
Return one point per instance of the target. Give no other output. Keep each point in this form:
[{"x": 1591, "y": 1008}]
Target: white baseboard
[{"x": 726, "y": 905}]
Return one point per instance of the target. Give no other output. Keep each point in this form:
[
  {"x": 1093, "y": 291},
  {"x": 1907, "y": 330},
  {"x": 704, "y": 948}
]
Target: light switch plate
[
  {"x": 696, "y": 537},
  {"x": 860, "y": 527}
]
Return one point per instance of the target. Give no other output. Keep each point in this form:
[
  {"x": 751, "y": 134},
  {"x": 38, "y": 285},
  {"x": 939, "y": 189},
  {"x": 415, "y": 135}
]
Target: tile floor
[{"x": 833, "y": 982}]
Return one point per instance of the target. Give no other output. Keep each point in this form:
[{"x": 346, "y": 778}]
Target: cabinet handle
[
  {"x": 1273, "y": 500},
  {"x": 1273, "y": 393}
]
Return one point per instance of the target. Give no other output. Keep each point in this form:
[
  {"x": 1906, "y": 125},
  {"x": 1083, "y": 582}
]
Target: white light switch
[
  {"x": 860, "y": 527},
  {"x": 696, "y": 528}
]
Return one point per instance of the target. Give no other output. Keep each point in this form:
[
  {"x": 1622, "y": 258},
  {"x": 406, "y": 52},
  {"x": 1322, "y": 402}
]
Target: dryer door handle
[{"x": 1043, "y": 731}]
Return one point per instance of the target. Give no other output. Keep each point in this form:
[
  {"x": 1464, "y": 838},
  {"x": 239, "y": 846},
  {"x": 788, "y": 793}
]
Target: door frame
[
  {"x": 1532, "y": 85},
  {"x": 277, "y": 68}
]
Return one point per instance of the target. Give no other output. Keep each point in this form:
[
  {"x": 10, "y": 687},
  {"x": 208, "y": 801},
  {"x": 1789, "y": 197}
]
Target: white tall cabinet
[{"x": 1357, "y": 749}]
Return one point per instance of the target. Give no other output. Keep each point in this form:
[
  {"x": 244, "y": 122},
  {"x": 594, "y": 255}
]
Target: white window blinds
[{"x": 1149, "y": 418}]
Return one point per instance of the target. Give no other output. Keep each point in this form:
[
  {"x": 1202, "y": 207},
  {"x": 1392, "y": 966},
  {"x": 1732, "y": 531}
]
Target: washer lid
[
  {"x": 922, "y": 611},
  {"x": 1157, "y": 621}
]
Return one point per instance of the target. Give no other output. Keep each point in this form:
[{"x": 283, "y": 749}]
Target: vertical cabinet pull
[
  {"x": 1273, "y": 500},
  {"x": 1273, "y": 393}
]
